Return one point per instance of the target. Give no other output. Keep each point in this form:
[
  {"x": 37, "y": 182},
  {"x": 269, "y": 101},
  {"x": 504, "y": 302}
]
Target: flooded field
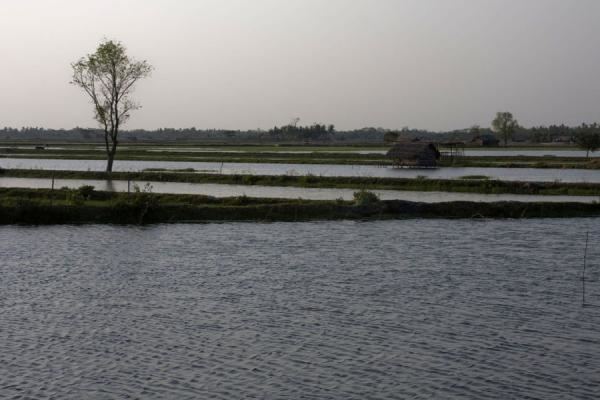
[
  {"x": 222, "y": 190},
  {"x": 334, "y": 310},
  {"x": 508, "y": 174}
]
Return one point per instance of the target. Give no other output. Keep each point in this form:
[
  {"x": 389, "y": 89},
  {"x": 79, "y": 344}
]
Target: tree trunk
[
  {"x": 110, "y": 154},
  {"x": 107, "y": 147},
  {"x": 109, "y": 164}
]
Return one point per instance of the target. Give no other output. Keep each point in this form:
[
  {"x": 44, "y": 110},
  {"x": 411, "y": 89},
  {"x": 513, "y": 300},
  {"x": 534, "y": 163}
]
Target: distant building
[
  {"x": 414, "y": 154},
  {"x": 486, "y": 140},
  {"x": 564, "y": 139}
]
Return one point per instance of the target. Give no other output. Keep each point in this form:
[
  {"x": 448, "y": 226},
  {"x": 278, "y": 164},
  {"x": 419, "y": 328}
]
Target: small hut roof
[
  {"x": 412, "y": 150},
  {"x": 421, "y": 153}
]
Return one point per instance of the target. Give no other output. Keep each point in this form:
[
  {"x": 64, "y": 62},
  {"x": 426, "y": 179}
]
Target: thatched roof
[{"x": 420, "y": 154}]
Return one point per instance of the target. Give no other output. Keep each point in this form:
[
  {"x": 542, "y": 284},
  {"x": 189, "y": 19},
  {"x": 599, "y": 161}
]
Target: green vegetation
[
  {"x": 523, "y": 162},
  {"x": 316, "y": 135},
  {"x": 108, "y": 77},
  {"x": 589, "y": 141},
  {"x": 488, "y": 186},
  {"x": 44, "y": 206},
  {"x": 293, "y": 131},
  {"x": 505, "y": 125},
  {"x": 364, "y": 198}
]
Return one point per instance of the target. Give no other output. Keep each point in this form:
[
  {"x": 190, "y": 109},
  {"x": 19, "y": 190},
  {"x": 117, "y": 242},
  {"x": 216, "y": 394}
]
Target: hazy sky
[{"x": 241, "y": 64}]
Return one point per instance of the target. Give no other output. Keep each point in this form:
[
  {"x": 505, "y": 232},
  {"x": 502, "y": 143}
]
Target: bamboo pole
[{"x": 587, "y": 239}]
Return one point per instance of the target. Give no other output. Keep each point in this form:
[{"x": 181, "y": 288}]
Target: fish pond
[
  {"x": 507, "y": 174},
  {"x": 281, "y": 192},
  {"x": 420, "y": 309}
]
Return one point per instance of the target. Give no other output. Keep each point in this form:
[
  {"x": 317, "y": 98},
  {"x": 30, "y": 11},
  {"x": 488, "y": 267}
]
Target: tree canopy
[
  {"x": 588, "y": 138},
  {"x": 505, "y": 125}
]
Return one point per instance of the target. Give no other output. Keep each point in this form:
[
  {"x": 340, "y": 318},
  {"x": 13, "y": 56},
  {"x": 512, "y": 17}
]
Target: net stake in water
[{"x": 587, "y": 239}]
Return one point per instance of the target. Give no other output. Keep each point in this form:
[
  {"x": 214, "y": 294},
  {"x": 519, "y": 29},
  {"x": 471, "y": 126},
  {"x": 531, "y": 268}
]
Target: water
[
  {"x": 333, "y": 310},
  {"x": 508, "y": 174},
  {"x": 219, "y": 190}
]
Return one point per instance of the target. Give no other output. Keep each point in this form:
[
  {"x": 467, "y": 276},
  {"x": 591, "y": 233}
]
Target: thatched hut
[{"x": 414, "y": 154}]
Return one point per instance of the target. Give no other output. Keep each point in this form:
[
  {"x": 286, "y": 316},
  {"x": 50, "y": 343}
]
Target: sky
[{"x": 247, "y": 64}]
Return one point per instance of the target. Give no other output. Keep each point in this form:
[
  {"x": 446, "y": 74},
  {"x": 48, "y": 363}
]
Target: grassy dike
[
  {"x": 523, "y": 162},
  {"x": 86, "y": 206},
  {"x": 484, "y": 186}
]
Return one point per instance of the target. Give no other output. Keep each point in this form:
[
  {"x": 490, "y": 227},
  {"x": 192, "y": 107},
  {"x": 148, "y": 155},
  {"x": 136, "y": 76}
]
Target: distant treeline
[{"x": 316, "y": 133}]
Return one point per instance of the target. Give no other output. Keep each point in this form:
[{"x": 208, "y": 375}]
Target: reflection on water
[
  {"x": 509, "y": 174},
  {"x": 344, "y": 310},
  {"x": 218, "y": 190}
]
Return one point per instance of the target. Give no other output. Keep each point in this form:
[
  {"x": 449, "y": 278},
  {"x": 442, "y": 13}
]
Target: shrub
[
  {"x": 86, "y": 191},
  {"x": 143, "y": 197},
  {"x": 74, "y": 197},
  {"x": 364, "y": 197}
]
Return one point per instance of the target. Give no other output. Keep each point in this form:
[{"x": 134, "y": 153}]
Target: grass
[{"x": 45, "y": 206}]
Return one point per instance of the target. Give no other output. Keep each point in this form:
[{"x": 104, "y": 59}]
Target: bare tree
[{"x": 108, "y": 77}]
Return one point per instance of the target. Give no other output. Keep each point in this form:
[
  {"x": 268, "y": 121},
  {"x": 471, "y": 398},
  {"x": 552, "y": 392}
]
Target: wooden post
[{"x": 587, "y": 239}]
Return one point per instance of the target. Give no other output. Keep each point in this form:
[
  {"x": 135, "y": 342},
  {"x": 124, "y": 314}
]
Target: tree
[
  {"x": 589, "y": 141},
  {"x": 108, "y": 77},
  {"x": 505, "y": 125},
  {"x": 390, "y": 137}
]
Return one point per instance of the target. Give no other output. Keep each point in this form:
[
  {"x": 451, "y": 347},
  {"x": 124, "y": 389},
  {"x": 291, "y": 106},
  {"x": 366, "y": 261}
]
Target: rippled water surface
[{"x": 331, "y": 310}]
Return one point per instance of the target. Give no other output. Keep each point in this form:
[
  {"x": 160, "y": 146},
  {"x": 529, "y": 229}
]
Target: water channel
[
  {"x": 509, "y": 174},
  {"x": 219, "y": 190}
]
